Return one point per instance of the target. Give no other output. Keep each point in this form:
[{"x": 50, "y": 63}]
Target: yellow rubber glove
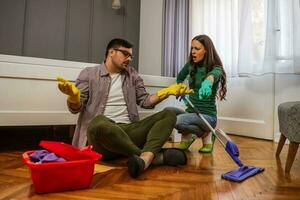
[
  {"x": 69, "y": 89},
  {"x": 174, "y": 89}
]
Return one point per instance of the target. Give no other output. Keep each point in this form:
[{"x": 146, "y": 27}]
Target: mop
[{"x": 231, "y": 148}]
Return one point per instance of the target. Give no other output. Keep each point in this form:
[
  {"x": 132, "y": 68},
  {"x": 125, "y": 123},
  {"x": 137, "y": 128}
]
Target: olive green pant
[{"x": 113, "y": 140}]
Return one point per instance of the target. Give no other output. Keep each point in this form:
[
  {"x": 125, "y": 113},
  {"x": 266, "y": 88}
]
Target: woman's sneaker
[
  {"x": 185, "y": 144},
  {"x": 208, "y": 148}
]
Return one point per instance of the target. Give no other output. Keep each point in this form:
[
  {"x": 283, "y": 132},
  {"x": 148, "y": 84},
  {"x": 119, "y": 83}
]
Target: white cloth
[{"x": 116, "y": 108}]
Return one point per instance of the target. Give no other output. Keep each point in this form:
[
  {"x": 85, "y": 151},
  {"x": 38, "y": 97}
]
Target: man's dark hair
[{"x": 116, "y": 43}]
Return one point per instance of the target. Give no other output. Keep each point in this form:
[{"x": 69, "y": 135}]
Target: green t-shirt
[{"x": 205, "y": 106}]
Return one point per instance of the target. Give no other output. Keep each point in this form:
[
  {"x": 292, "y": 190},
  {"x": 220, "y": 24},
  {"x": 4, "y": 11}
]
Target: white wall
[
  {"x": 249, "y": 107},
  {"x": 150, "y": 37}
]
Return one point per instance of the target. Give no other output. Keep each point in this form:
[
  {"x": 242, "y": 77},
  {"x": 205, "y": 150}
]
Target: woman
[{"x": 206, "y": 76}]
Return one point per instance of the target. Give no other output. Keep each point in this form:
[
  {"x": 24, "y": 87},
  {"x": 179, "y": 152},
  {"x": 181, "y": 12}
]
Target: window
[{"x": 251, "y": 36}]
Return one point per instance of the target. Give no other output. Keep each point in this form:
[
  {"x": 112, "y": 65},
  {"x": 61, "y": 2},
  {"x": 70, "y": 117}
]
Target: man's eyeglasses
[{"x": 125, "y": 53}]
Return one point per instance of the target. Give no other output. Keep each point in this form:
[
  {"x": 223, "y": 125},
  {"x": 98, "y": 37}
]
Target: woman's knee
[
  {"x": 181, "y": 127},
  {"x": 189, "y": 128}
]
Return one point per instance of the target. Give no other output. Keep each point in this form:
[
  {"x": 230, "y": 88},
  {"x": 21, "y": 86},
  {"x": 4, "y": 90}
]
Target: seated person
[{"x": 106, "y": 96}]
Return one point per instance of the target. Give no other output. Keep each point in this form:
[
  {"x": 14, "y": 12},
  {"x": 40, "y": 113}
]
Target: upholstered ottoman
[{"x": 289, "y": 126}]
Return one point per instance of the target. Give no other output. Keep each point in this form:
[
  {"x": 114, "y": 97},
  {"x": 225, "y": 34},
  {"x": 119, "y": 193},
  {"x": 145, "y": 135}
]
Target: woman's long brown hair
[{"x": 211, "y": 60}]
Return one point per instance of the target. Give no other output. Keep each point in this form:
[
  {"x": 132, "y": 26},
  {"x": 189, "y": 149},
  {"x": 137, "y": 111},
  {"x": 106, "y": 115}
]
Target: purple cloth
[{"x": 42, "y": 156}]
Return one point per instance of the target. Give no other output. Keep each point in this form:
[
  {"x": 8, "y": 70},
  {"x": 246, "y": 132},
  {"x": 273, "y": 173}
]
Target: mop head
[
  {"x": 242, "y": 173},
  {"x": 231, "y": 148}
]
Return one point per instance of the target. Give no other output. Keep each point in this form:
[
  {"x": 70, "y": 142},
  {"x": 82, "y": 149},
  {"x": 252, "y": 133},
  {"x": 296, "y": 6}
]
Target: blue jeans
[{"x": 192, "y": 123}]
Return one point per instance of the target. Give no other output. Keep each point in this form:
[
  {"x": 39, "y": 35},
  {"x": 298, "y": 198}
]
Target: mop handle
[{"x": 205, "y": 121}]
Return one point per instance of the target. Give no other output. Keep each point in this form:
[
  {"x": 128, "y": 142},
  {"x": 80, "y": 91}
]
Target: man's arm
[
  {"x": 145, "y": 100},
  {"x": 154, "y": 99},
  {"x": 174, "y": 89}
]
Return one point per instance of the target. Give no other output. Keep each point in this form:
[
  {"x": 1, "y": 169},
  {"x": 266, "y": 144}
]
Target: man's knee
[
  {"x": 169, "y": 112},
  {"x": 97, "y": 125},
  {"x": 175, "y": 110}
]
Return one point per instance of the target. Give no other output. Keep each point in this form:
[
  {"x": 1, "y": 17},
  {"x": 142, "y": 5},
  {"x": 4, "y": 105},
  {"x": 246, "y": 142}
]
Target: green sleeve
[
  {"x": 183, "y": 73},
  {"x": 216, "y": 72}
]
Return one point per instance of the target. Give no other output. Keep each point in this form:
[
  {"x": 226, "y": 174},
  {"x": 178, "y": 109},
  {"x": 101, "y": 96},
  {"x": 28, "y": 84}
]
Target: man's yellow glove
[
  {"x": 69, "y": 89},
  {"x": 174, "y": 89}
]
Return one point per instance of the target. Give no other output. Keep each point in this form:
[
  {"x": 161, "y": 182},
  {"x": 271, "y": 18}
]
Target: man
[{"x": 106, "y": 96}]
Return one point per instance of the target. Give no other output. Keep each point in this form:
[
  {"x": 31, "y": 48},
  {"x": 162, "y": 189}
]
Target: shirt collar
[
  {"x": 200, "y": 64},
  {"x": 104, "y": 72}
]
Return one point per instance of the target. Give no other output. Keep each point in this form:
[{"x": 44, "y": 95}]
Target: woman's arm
[{"x": 183, "y": 73}]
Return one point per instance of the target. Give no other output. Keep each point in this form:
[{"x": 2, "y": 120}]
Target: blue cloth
[
  {"x": 242, "y": 173},
  {"x": 41, "y": 156},
  {"x": 191, "y": 123}
]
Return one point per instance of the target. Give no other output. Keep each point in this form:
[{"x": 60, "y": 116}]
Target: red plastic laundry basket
[{"x": 61, "y": 176}]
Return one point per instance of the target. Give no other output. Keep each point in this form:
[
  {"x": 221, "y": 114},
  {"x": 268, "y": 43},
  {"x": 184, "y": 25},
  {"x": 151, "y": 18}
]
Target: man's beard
[{"x": 123, "y": 65}]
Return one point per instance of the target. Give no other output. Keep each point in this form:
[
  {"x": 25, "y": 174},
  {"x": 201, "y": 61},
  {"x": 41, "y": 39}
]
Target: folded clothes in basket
[
  {"x": 42, "y": 156},
  {"x": 76, "y": 172}
]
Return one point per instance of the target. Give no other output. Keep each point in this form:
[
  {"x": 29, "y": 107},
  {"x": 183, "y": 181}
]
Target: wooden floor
[{"x": 199, "y": 179}]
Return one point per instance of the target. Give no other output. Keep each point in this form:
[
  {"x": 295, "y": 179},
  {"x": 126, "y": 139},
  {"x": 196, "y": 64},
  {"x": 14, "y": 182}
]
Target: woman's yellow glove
[
  {"x": 69, "y": 89},
  {"x": 174, "y": 89}
]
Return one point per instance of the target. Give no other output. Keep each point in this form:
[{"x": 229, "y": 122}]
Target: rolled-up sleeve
[
  {"x": 216, "y": 72},
  {"x": 183, "y": 73},
  {"x": 142, "y": 96}
]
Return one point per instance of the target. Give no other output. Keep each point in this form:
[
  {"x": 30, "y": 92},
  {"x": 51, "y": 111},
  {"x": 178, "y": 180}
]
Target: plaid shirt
[{"x": 94, "y": 85}]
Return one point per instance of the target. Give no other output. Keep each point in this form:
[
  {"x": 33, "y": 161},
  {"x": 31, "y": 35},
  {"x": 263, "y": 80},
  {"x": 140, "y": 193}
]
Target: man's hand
[
  {"x": 69, "y": 89},
  {"x": 174, "y": 89}
]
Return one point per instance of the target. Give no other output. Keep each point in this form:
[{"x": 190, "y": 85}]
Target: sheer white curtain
[
  {"x": 218, "y": 20},
  {"x": 253, "y": 37},
  {"x": 288, "y": 35}
]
